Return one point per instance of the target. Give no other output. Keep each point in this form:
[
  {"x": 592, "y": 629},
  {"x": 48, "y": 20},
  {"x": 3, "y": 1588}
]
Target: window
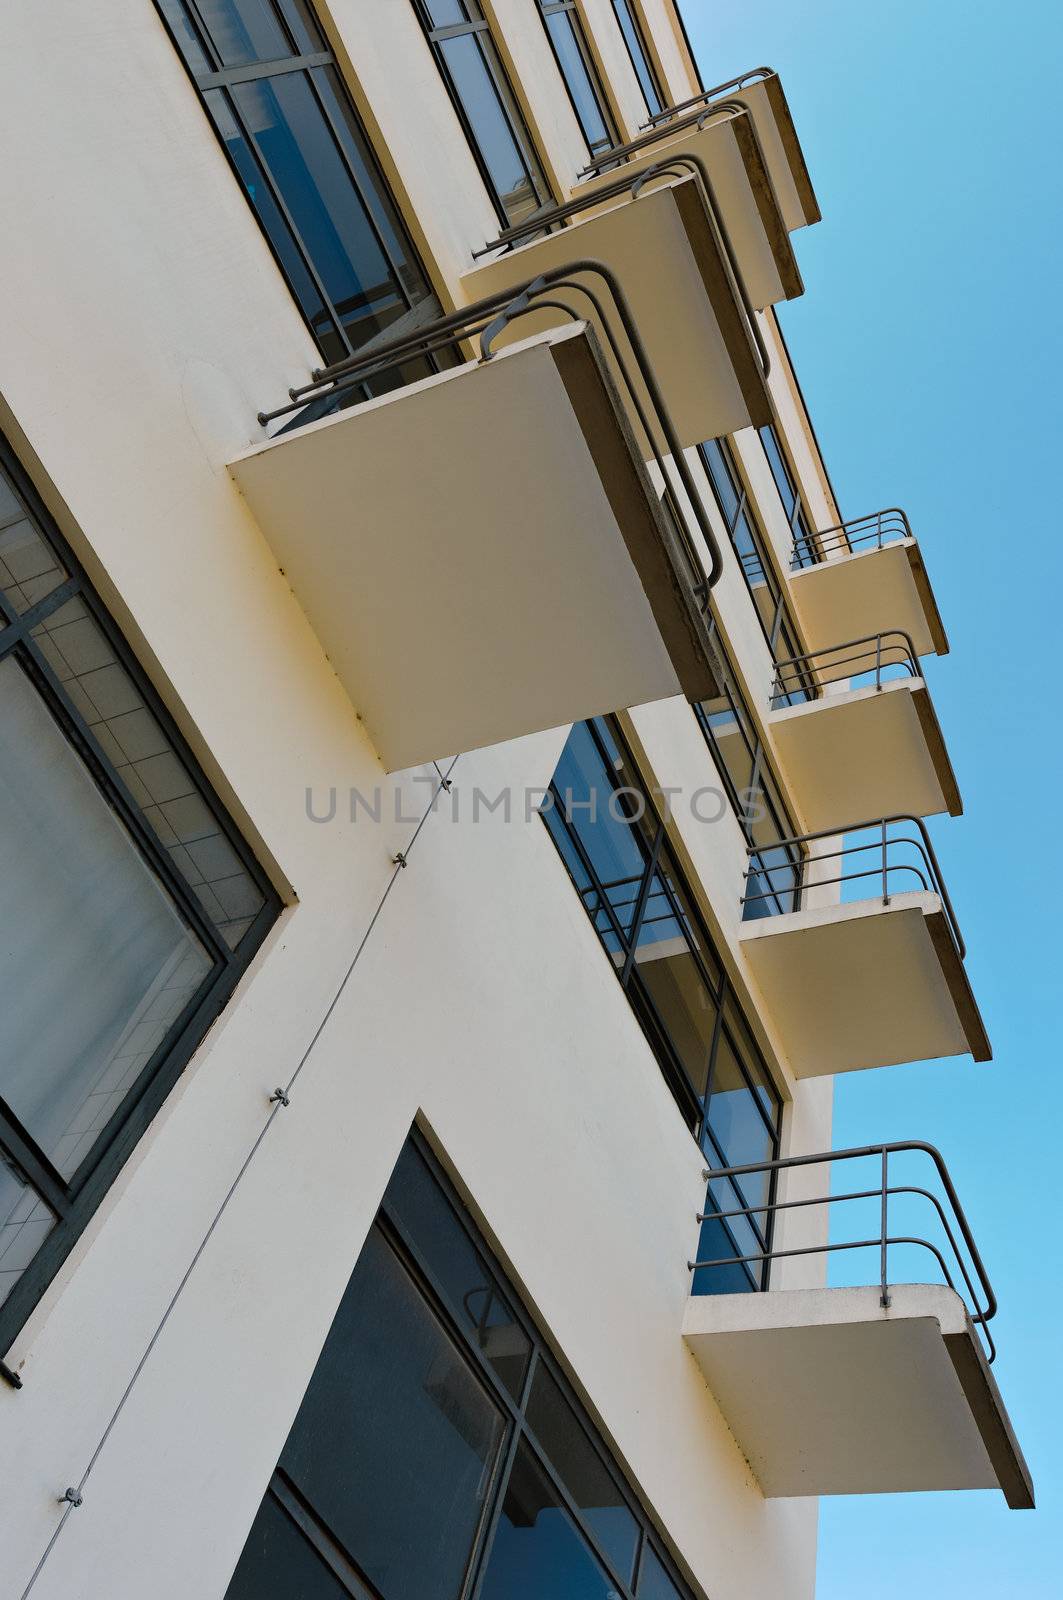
[
  {"x": 438, "y": 1446},
  {"x": 272, "y": 89},
  {"x": 805, "y": 553},
  {"x": 487, "y": 108},
  {"x": 576, "y": 64},
  {"x": 635, "y": 39},
  {"x": 612, "y": 841},
  {"x": 754, "y": 793},
  {"x": 130, "y": 904},
  {"x": 750, "y": 546}
]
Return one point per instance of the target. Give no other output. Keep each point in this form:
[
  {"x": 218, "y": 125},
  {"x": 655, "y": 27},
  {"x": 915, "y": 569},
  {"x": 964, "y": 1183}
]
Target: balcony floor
[{"x": 828, "y": 1392}]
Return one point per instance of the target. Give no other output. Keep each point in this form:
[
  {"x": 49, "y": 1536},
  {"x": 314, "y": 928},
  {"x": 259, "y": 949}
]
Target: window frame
[
  {"x": 653, "y": 75},
  {"x": 694, "y": 1110},
  {"x": 223, "y": 79},
  {"x": 807, "y": 554},
  {"x": 75, "y": 1200},
  {"x": 570, "y": 8},
  {"x": 535, "y": 169}
]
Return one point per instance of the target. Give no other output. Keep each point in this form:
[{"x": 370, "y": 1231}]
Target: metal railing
[
  {"x": 485, "y": 320},
  {"x": 963, "y": 1265},
  {"x": 879, "y": 528},
  {"x": 678, "y": 166},
  {"x": 707, "y": 96},
  {"x": 884, "y": 850},
  {"x": 892, "y": 653}
]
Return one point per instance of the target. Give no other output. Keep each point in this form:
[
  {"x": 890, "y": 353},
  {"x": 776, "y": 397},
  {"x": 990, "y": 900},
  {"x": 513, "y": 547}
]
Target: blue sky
[{"x": 928, "y": 345}]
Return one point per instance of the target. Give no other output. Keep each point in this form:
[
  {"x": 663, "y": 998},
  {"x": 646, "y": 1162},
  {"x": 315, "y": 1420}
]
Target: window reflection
[
  {"x": 538, "y": 1550},
  {"x": 640, "y": 56},
  {"x": 576, "y": 64}
]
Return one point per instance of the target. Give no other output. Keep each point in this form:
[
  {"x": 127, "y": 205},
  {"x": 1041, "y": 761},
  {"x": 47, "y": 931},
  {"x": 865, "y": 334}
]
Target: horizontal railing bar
[{"x": 707, "y": 96}]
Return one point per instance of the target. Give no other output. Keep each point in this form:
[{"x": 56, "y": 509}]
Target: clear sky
[{"x": 929, "y": 344}]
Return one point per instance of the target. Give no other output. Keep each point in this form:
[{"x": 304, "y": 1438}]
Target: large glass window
[
  {"x": 751, "y": 548},
  {"x": 568, "y": 41},
  {"x": 273, "y": 92},
  {"x": 438, "y": 1450},
  {"x": 628, "y": 20},
  {"x": 612, "y": 839},
  {"x": 472, "y": 70},
  {"x": 130, "y": 904},
  {"x": 805, "y": 553}
]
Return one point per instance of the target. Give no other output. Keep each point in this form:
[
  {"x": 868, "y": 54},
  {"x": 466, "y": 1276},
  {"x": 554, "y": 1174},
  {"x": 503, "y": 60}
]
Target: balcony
[
  {"x": 481, "y": 552},
  {"x": 725, "y": 140},
  {"x": 865, "y": 576},
  {"x": 874, "y": 979},
  {"x": 868, "y": 1389},
  {"x": 660, "y": 237},
  {"x": 856, "y": 731}
]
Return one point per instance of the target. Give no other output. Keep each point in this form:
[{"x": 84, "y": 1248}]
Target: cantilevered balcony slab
[
  {"x": 864, "y": 984},
  {"x": 482, "y": 554},
  {"x": 749, "y": 207},
  {"x": 828, "y": 1392},
  {"x": 670, "y": 263},
  {"x": 869, "y": 592},
  {"x": 866, "y": 752},
  {"x": 782, "y": 149}
]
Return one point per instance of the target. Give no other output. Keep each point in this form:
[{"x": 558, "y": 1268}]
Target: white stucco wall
[{"x": 146, "y": 323}]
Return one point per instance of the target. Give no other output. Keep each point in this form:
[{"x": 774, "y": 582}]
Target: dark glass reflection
[
  {"x": 640, "y": 57},
  {"x": 278, "y": 1563},
  {"x": 469, "y": 60},
  {"x": 654, "y": 1582},
  {"x": 581, "y": 78},
  {"x": 538, "y": 1553}
]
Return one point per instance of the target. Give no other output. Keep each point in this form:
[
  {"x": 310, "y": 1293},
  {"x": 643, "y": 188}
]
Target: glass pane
[
  {"x": 396, "y": 1441},
  {"x": 492, "y": 128},
  {"x": 654, "y": 1582},
  {"x": 280, "y": 236},
  {"x": 779, "y": 470},
  {"x": 574, "y": 69},
  {"x": 29, "y": 569},
  {"x": 106, "y": 697},
  {"x": 418, "y": 1205},
  {"x": 585, "y": 797},
  {"x": 245, "y": 30},
  {"x": 686, "y": 1011},
  {"x": 25, "y": 1223},
  {"x": 176, "y": 14},
  {"x": 639, "y": 60},
  {"x": 538, "y": 1554},
  {"x": 581, "y": 1469},
  {"x": 444, "y": 13},
  {"x": 278, "y": 1563},
  {"x": 99, "y": 965},
  {"x": 296, "y": 145},
  {"x": 737, "y": 1124}
]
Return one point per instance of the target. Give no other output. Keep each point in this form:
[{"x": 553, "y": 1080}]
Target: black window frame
[
  {"x": 531, "y": 158},
  {"x": 598, "y": 902},
  {"x": 631, "y": 11},
  {"x": 570, "y": 8},
  {"x": 804, "y": 552},
  {"x": 379, "y": 205},
  {"x": 456, "y": 1323},
  {"x": 75, "y": 1200},
  {"x": 781, "y": 635}
]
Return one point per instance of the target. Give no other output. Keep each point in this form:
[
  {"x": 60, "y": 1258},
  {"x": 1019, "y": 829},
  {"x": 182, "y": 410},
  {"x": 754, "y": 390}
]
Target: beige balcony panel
[
  {"x": 782, "y": 150},
  {"x": 748, "y": 204},
  {"x": 866, "y": 753},
  {"x": 864, "y": 984},
  {"x": 828, "y": 1392},
  {"x": 665, "y": 254},
  {"x": 482, "y": 554},
  {"x": 868, "y": 593}
]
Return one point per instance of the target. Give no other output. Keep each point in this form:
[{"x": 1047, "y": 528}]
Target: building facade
[{"x": 463, "y": 790}]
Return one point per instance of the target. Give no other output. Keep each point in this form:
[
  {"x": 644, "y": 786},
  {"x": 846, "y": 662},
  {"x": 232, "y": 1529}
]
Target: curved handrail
[
  {"x": 755, "y": 74},
  {"x": 982, "y": 1306},
  {"x": 633, "y": 184},
  {"x": 883, "y": 844},
  {"x": 887, "y": 526},
  {"x": 617, "y": 153},
  {"x": 484, "y": 319},
  {"x": 807, "y": 673}
]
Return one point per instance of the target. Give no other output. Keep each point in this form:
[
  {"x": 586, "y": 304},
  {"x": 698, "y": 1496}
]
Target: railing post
[
  {"x": 878, "y": 658},
  {"x": 885, "y": 1296},
  {"x": 885, "y": 867},
  {"x": 878, "y": 524}
]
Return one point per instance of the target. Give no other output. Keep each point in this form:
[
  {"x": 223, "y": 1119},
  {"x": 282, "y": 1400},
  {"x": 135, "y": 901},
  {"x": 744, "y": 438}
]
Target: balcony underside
[
  {"x": 747, "y": 200},
  {"x": 828, "y": 1392},
  {"x": 782, "y": 150},
  {"x": 864, "y": 985},
  {"x": 866, "y": 753},
  {"x": 667, "y": 258},
  {"x": 473, "y": 579},
  {"x": 869, "y": 593}
]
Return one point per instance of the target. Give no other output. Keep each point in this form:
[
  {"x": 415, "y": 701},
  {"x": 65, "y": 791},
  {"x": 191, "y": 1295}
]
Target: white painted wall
[{"x": 145, "y": 324}]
